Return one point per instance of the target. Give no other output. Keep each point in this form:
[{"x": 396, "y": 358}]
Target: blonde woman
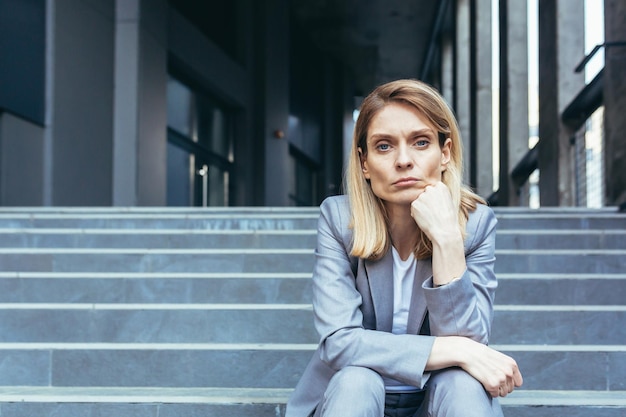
[{"x": 404, "y": 282}]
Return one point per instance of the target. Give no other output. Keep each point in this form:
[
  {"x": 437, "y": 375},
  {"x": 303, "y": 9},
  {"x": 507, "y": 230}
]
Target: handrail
[
  {"x": 574, "y": 116},
  {"x": 585, "y": 103},
  {"x": 595, "y": 49}
]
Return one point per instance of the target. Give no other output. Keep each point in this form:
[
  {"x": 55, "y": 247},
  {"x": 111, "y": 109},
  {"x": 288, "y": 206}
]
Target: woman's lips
[{"x": 405, "y": 182}]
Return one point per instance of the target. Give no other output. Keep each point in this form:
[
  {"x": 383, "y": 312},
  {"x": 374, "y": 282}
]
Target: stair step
[
  {"x": 559, "y": 325},
  {"x": 565, "y": 220},
  {"x": 158, "y": 323},
  {"x": 170, "y": 402},
  {"x": 233, "y": 221},
  {"x": 213, "y": 239},
  {"x": 288, "y": 288},
  {"x": 561, "y": 289},
  {"x": 256, "y": 219},
  {"x": 560, "y": 239},
  {"x": 561, "y": 261},
  {"x": 157, "y": 238},
  {"x": 157, "y": 260},
  {"x": 276, "y": 260},
  {"x": 265, "y": 365},
  {"x": 274, "y": 323}
]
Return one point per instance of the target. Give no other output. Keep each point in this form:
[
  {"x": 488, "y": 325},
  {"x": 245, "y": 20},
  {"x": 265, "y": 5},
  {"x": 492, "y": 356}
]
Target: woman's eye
[
  {"x": 382, "y": 147},
  {"x": 421, "y": 143}
]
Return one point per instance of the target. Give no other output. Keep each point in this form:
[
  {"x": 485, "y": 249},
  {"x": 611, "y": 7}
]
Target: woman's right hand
[{"x": 497, "y": 372}]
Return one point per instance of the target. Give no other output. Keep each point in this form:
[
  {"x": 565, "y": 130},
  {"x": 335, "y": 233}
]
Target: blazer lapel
[
  {"x": 380, "y": 277},
  {"x": 417, "y": 311}
]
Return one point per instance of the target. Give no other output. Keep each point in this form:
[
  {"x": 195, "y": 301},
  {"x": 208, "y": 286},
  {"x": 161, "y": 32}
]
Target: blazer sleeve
[
  {"x": 337, "y": 309},
  {"x": 465, "y": 307}
]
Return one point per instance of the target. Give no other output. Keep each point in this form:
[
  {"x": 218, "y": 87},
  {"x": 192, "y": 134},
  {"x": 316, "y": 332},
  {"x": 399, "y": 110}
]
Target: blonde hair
[{"x": 371, "y": 238}]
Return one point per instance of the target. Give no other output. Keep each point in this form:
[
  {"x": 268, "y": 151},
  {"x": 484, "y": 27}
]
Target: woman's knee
[
  {"x": 353, "y": 391},
  {"x": 454, "y": 392},
  {"x": 359, "y": 380}
]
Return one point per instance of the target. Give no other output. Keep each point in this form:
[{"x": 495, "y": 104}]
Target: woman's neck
[{"x": 402, "y": 229}]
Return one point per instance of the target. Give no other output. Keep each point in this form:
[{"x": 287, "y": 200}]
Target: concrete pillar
[
  {"x": 275, "y": 73},
  {"x": 338, "y": 105},
  {"x": 482, "y": 120},
  {"x": 615, "y": 102},
  {"x": 561, "y": 46},
  {"x": 140, "y": 143},
  {"x": 462, "y": 102},
  {"x": 447, "y": 68},
  {"x": 514, "y": 130},
  {"x": 80, "y": 129}
]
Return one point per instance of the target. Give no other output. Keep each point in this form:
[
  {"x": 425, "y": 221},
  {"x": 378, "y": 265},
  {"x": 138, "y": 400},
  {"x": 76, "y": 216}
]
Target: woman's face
[{"x": 403, "y": 154}]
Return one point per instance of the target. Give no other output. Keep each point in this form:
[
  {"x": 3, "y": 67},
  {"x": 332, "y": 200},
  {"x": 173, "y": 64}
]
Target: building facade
[{"x": 244, "y": 103}]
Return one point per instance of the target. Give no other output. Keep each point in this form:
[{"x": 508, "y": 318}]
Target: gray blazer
[{"x": 353, "y": 306}]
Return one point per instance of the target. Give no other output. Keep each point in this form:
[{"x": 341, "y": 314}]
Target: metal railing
[{"x": 584, "y": 116}]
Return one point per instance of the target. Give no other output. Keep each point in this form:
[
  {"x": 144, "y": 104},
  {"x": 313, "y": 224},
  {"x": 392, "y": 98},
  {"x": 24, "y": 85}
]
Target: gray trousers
[{"x": 360, "y": 392}]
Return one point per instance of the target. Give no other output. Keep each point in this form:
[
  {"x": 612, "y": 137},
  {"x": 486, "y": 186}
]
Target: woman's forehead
[{"x": 399, "y": 117}]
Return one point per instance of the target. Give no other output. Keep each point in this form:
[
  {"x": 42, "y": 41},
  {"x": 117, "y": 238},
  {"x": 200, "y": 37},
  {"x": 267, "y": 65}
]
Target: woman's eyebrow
[{"x": 418, "y": 132}]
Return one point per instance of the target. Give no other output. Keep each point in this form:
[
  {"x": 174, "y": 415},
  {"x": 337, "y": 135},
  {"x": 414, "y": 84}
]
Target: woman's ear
[
  {"x": 363, "y": 160},
  {"x": 446, "y": 151}
]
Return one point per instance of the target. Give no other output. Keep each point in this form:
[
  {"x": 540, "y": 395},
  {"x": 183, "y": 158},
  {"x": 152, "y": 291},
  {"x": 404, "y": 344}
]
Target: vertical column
[
  {"x": 615, "y": 102},
  {"x": 140, "y": 142},
  {"x": 463, "y": 102},
  {"x": 79, "y": 128},
  {"x": 447, "y": 68},
  {"x": 482, "y": 92},
  {"x": 275, "y": 66},
  {"x": 513, "y": 94},
  {"x": 561, "y": 46},
  {"x": 126, "y": 103}
]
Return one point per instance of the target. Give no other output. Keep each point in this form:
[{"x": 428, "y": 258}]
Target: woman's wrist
[{"x": 447, "y": 351}]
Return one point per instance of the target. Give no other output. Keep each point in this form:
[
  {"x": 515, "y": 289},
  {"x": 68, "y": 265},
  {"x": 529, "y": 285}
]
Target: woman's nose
[{"x": 403, "y": 159}]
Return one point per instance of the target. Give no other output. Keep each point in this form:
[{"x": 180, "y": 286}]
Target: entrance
[{"x": 200, "y": 148}]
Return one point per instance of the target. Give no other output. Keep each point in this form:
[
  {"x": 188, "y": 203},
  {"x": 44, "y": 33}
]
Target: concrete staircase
[{"x": 181, "y": 312}]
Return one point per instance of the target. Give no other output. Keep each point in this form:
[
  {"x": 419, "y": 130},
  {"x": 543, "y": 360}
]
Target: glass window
[{"x": 200, "y": 147}]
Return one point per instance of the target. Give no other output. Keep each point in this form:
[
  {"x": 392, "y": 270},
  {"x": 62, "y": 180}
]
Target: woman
[{"x": 403, "y": 284}]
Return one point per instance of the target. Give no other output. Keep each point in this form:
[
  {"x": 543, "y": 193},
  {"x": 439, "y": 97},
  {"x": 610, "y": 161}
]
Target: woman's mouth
[{"x": 405, "y": 182}]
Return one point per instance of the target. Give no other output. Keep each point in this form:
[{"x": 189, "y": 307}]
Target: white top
[{"x": 403, "y": 277}]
